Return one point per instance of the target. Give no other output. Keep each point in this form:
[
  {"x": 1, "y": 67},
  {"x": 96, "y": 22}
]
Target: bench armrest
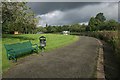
[{"x": 35, "y": 45}]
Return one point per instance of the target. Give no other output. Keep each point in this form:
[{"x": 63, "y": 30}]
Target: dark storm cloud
[
  {"x": 61, "y": 13},
  {"x": 45, "y": 7}
]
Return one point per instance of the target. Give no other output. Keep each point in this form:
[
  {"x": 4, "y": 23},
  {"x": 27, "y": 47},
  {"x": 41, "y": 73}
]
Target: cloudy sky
[{"x": 61, "y": 13}]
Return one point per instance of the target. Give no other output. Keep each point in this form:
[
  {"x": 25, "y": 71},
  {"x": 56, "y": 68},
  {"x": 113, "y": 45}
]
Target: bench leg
[
  {"x": 14, "y": 59},
  {"x": 35, "y": 50},
  {"x": 9, "y": 58}
]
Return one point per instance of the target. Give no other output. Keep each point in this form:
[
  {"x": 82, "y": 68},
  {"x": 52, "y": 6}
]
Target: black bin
[{"x": 42, "y": 42}]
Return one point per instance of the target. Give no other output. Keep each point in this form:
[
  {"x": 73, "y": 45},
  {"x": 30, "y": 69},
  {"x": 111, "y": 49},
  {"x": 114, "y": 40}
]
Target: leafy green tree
[
  {"x": 54, "y": 29},
  {"x": 83, "y": 28},
  {"x": 112, "y": 24},
  {"x": 109, "y": 25},
  {"x": 96, "y": 23},
  {"x": 59, "y": 28},
  {"x": 16, "y": 16},
  {"x": 41, "y": 29},
  {"x": 65, "y": 28},
  {"x": 100, "y": 17},
  {"x": 48, "y": 28},
  {"x": 92, "y": 24}
]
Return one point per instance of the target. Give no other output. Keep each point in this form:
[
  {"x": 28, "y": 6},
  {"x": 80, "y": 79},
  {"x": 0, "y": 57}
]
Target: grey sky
[
  {"x": 60, "y": 13},
  {"x": 45, "y": 7},
  {"x": 61, "y": 0}
]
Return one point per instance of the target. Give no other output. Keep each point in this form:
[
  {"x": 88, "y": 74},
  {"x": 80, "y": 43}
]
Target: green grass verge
[{"x": 53, "y": 41}]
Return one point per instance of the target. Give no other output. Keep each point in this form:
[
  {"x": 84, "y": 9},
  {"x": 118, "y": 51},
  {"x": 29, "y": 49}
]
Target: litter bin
[{"x": 42, "y": 42}]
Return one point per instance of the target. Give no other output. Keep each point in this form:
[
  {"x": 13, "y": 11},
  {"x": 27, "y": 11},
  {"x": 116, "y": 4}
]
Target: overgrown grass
[{"x": 53, "y": 41}]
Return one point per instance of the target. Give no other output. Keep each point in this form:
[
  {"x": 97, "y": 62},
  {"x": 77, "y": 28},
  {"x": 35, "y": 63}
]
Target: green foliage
[
  {"x": 100, "y": 17},
  {"x": 118, "y": 42},
  {"x": 48, "y": 28},
  {"x": 92, "y": 24},
  {"x": 16, "y": 16},
  {"x": 112, "y": 24},
  {"x": 40, "y": 29},
  {"x": 111, "y": 37},
  {"x": 108, "y": 25},
  {"x": 75, "y": 28},
  {"x": 57, "y": 29},
  {"x": 99, "y": 23}
]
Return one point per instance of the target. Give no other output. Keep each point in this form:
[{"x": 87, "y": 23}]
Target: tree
[
  {"x": 41, "y": 29},
  {"x": 54, "y": 29},
  {"x": 59, "y": 28},
  {"x": 48, "y": 28},
  {"x": 16, "y": 16},
  {"x": 65, "y": 28},
  {"x": 96, "y": 23},
  {"x": 112, "y": 24},
  {"x": 92, "y": 24},
  {"x": 100, "y": 17},
  {"x": 83, "y": 28}
]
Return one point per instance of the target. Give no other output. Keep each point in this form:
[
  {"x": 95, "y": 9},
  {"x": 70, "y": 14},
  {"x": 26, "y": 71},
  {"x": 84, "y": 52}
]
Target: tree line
[
  {"x": 57, "y": 29},
  {"x": 16, "y": 16},
  {"x": 97, "y": 23}
]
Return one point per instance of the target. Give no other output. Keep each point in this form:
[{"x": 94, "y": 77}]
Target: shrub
[{"x": 110, "y": 37}]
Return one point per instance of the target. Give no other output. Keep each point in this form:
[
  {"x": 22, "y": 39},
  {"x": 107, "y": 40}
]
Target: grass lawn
[{"x": 53, "y": 41}]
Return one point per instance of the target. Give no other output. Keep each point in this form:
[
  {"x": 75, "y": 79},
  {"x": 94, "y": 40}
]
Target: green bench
[{"x": 19, "y": 49}]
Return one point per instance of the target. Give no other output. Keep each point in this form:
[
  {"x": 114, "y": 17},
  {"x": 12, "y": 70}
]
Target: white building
[{"x": 66, "y": 32}]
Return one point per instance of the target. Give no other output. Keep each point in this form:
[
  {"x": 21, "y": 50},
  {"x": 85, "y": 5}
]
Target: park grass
[{"x": 53, "y": 41}]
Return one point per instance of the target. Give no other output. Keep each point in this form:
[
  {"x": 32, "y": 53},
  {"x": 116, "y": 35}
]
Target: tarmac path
[{"x": 77, "y": 60}]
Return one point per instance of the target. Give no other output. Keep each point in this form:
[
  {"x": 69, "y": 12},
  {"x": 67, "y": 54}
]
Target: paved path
[{"x": 77, "y": 60}]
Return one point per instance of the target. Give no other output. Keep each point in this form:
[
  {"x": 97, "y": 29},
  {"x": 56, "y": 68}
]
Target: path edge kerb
[{"x": 100, "y": 62}]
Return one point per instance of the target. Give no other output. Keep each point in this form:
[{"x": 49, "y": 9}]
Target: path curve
[{"x": 77, "y": 60}]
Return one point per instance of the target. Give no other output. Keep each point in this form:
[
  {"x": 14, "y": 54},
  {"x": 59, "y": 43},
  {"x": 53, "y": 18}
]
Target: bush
[{"x": 110, "y": 37}]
